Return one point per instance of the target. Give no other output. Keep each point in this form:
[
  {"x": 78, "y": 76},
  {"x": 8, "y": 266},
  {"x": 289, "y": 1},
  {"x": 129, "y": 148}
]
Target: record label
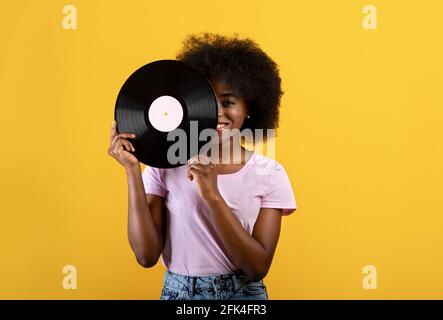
[{"x": 165, "y": 113}]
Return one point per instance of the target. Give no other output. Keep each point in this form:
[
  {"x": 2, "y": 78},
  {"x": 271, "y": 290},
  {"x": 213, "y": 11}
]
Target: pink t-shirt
[{"x": 193, "y": 246}]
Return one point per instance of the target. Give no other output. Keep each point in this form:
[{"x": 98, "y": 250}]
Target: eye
[{"x": 227, "y": 103}]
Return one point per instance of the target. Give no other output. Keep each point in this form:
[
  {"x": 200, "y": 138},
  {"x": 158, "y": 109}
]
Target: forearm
[
  {"x": 245, "y": 252},
  {"x": 143, "y": 236}
]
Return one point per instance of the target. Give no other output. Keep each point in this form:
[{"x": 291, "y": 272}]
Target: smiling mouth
[{"x": 221, "y": 125}]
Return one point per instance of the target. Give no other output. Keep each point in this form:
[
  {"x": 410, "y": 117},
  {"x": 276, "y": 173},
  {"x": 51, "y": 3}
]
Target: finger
[
  {"x": 194, "y": 172},
  {"x": 127, "y": 145},
  {"x": 200, "y": 167},
  {"x": 115, "y": 148},
  {"x": 188, "y": 174},
  {"x": 118, "y": 149},
  {"x": 113, "y": 130},
  {"x": 118, "y": 146},
  {"x": 132, "y": 146},
  {"x": 196, "y": 166},
  {"x": 199, "y": 158},
  {"x": 193, "y": 160},
  {"x": 123, "y": 135},
  {"x": 203, "y": 159}
]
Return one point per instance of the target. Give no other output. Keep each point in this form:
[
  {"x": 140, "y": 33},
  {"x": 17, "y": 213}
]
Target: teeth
[{"x": 221, "y": 125}]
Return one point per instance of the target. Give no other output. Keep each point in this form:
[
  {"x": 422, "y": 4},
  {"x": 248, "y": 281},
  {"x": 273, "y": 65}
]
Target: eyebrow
[{"x": 228, "y": 94}]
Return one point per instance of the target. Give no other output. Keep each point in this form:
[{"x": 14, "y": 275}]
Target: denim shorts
[{"x": 228, "y": 286}]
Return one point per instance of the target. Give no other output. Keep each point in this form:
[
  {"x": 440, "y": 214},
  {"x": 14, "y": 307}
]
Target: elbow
[
  {"x": 146, "y": 262},
  {"x": 257, "y": 269},
  {"x": 257, "y": 275},
  {"x": 145, "y": 257}
]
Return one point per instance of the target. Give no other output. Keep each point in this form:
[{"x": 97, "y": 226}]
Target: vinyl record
[{"x": 162, "y": 98}]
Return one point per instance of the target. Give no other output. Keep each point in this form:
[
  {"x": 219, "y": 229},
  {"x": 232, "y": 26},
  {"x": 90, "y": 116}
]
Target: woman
[{"x": 215, "y": 224}]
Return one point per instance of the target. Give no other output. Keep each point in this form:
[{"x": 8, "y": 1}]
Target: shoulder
[
  {"x": 266, "y": 166},
  {"x": 164, "y": 174},
  {"x": 153, "y": 172}
]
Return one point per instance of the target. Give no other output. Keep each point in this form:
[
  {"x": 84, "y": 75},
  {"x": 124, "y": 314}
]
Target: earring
[{"x": 249, "y": 116}]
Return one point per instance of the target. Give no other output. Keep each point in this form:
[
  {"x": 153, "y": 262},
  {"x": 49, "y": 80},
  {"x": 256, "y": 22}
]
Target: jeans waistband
[{"x": 184, "y": 282}]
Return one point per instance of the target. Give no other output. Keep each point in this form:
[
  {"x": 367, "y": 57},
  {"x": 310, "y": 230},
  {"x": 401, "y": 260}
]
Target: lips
[{"x": 222, "y": 125}]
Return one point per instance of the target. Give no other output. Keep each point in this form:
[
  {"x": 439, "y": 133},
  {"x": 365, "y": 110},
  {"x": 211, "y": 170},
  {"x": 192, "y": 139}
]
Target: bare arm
[
  {"x": 146, "y": 225},
  {"x": 252, "y": 254}
]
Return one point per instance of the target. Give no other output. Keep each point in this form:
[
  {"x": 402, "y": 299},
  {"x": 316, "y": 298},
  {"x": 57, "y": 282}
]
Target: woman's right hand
[{"x": 120, "y": 148}]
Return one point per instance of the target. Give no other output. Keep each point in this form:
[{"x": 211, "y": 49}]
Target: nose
[{"x": 220, "y": 109}]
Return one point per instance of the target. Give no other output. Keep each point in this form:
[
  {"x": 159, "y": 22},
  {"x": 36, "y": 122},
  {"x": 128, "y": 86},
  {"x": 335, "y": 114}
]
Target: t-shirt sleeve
[
  {"x": 278, "y": 192},
  {"x": 153, "y": 181}
]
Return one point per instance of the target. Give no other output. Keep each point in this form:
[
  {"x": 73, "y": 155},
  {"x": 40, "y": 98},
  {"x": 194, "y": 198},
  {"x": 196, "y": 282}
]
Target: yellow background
[{"x": 360, "y": 137}]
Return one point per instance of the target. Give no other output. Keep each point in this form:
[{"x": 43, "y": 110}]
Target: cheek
[{"x": 237, "y": 115}]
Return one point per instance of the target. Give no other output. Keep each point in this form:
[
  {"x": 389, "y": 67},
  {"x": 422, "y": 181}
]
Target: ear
[{"x": 249, "y": 108}]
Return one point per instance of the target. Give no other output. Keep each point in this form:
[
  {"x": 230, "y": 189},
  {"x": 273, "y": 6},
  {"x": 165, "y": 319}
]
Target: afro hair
[{"x": 243, "y": 65}]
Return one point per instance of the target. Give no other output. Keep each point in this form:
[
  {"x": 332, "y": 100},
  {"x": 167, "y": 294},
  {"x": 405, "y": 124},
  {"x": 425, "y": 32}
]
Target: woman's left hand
[{"x": 204, "y": 173}]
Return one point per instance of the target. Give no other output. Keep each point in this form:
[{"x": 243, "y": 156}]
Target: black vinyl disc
[{"x": 162, "y": 98}]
